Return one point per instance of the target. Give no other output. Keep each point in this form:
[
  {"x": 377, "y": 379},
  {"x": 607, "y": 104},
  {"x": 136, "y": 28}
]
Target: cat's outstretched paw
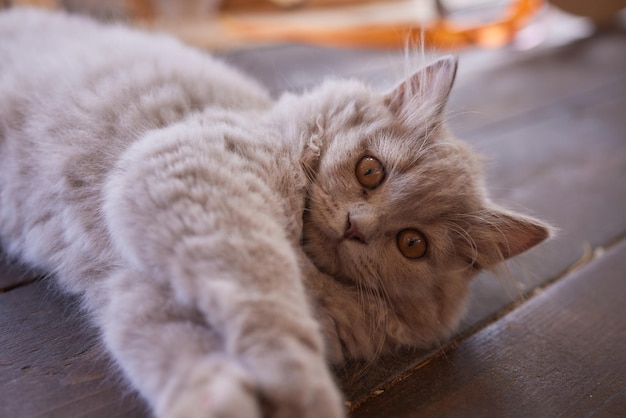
[
  {"x": 296, "y": 383},
  {"x": 214, "y": 390},
  {"x": 283, "y": 386}
]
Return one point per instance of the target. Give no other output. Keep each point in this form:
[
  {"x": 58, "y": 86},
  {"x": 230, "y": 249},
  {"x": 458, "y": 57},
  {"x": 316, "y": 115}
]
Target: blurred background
[{"x": 441, "y": 24}]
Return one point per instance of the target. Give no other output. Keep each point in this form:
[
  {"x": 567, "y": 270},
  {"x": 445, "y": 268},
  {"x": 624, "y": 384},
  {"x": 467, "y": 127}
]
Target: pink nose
[{"x": 353, "y": 232}]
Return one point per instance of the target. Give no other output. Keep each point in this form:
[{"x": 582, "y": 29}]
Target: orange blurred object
[{"x": 442, "y": 33}]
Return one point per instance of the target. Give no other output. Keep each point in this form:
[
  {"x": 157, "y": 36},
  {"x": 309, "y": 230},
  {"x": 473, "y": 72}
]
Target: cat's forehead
[
  {"x": 430, "y": 177},
  {"x": 433, "y": 148}
]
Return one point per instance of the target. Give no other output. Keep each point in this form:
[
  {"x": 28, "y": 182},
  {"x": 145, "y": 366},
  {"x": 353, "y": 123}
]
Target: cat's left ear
[
  {"x": 502, "y": 234},
  {"x": 425, "y": 91}
]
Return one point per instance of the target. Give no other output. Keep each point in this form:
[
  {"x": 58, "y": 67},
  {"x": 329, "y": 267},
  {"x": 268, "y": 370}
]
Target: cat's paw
[
  {"x": 271, "y": 384},
  {"x": 216, "y": 389},
  {"x": 296, "y": 383}
]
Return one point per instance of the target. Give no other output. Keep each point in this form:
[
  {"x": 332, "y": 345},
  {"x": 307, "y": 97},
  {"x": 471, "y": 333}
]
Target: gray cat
[{"x": 228, "y": 246}]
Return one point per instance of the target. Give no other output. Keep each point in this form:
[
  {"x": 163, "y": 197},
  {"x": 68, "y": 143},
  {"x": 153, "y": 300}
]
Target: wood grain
[{"x": 51, "y": 364}]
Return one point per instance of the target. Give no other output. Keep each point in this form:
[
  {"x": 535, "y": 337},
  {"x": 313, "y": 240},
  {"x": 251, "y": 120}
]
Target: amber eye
[
  {"x": 411, "y": 243},
  {"x": 370, "y": 172}
]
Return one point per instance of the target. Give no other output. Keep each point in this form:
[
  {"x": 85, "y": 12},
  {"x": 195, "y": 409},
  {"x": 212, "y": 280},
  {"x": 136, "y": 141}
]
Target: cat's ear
[
  {"x": 501, "y": 235},
  {"x": 428, "y": 89}
]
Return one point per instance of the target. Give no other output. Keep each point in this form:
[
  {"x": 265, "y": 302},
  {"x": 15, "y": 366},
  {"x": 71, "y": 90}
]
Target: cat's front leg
[
  {"x": 169, "y": 352},
  {"x": 218, "y": 243},
  {"x": 280, "y": 349},
  {"x": 183, "y": 367}
]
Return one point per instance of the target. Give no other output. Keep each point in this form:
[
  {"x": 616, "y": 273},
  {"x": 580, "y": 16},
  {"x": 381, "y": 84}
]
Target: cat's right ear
[
  {"x": 500, "y": 235},
  {"x": 425, "y": 91}
]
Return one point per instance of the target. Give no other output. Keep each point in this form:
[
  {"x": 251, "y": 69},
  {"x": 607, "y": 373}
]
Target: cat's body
[{"x": 217, "y": 237}]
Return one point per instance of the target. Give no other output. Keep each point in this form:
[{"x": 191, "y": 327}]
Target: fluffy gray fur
[{"x": 204, "y": 224}]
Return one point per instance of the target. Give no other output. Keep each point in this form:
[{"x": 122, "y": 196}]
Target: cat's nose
[{"x": 353, "y": 232}]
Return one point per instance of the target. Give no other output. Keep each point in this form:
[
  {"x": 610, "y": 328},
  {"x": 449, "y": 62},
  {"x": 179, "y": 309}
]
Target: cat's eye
[
  {"x": 370, "y": 172},
  {"x": 411, "y": 243}
]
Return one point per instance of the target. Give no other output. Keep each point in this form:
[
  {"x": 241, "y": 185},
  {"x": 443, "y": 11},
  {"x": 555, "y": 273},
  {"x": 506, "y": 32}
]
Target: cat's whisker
[
  {"x": 450, "y": 115},
  {"x": 467, "y": 237},
  {"x": 426, "y": 147}
]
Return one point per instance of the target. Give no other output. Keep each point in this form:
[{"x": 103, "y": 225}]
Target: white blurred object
[{"x": 552, "y": 28}]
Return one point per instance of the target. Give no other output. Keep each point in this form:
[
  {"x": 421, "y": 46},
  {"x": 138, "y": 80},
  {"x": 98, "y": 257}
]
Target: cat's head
[{"x": 398, "y": 207}]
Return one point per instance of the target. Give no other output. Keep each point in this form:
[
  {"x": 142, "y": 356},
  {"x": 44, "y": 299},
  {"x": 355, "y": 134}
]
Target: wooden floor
[{"x": 546, "y": 340}]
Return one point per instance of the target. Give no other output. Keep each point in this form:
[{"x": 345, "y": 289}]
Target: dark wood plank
[
  {"x": 552, "y": 76},
  {"x": 51, "y": 364},
  {"x": 568, "y": 169},
  {"x": 563, "y": 353}
]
